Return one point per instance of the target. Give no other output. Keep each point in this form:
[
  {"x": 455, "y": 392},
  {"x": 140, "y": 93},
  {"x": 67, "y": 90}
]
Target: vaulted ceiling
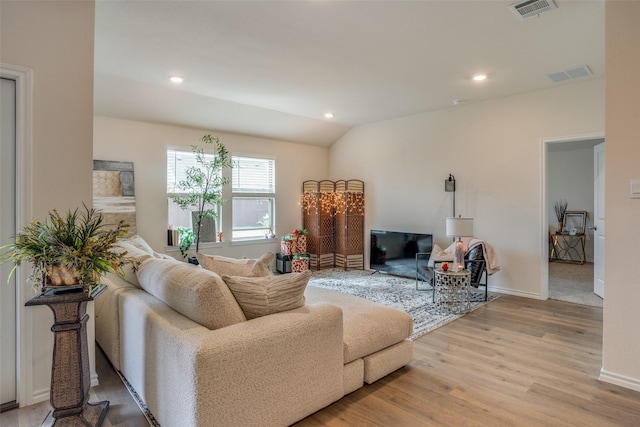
[{"x": 274, "y": 68}]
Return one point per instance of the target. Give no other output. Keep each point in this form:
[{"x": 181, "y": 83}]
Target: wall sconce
[
  {"x": 450, "y": 184},
  {"x": 450, "y": 187}
]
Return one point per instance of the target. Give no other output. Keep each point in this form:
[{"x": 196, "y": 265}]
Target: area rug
[{"x": 398, "y": 292}]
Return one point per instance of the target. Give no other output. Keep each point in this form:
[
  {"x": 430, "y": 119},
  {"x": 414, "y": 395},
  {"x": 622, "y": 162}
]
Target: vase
[{"x": 58, "y": 275}]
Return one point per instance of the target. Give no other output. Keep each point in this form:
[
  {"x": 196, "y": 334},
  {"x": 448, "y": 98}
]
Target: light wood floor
[
  {"x": 513, "y": 362},
  {"x": 123, "y": 411}
]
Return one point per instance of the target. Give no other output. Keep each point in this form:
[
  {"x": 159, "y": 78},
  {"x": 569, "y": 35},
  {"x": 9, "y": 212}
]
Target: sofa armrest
[{"x": 269, "y": 371}]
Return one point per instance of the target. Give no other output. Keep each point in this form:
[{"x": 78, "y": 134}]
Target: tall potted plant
[
  {"x": 70, "y": 250},
  {"x": 201, "y": 189}
]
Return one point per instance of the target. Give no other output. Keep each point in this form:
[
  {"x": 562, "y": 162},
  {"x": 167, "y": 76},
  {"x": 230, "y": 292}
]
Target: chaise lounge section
[{"x": 178, "y": 335}]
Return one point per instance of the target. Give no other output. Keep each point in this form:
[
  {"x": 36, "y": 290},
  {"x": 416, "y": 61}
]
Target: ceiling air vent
[
  {"x": 529, "y": 9},
  {"x": 573, "y": 73}
]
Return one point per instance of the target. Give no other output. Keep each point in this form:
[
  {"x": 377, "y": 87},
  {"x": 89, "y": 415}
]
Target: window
[
  {"x": 253, "y": 194},
  {"x": 178, "y": 162}
]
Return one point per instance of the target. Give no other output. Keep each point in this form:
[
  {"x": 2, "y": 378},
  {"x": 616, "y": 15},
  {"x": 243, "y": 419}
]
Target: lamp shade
[{"x": 459, "y": 227}]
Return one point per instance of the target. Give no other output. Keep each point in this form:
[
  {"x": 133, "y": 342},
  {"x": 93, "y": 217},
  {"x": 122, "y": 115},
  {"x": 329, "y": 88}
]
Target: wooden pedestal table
[{"x": 70, "y": 377}]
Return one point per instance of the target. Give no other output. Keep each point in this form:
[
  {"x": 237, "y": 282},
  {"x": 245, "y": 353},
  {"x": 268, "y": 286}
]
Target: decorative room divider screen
[{"x": 333, "y": 214}]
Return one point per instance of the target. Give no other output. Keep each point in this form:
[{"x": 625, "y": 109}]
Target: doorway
[
  {"x": 569, "y": 180},
  {"x": 16, "y": 203},
  {"x": 8, "y": 351}
]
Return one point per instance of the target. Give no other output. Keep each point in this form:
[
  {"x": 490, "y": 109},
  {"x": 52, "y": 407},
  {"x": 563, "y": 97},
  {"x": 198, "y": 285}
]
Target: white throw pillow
[
  {"x": 261, "y": 296},
  {"x": 132, "y": 251},
  {"x": 438, "y": 255},
  {"x": 137, "y": 241}
]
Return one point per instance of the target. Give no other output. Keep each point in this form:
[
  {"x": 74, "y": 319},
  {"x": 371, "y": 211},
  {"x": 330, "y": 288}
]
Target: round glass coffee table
[{"x": 452, "y": 290}]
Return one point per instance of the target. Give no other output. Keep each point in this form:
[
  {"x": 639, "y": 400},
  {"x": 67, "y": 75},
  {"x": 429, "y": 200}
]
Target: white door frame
[
  {"x": 544, "y": 232},
  {"x": 24, "y": 143},
  {"x": 599, "y": 218}
]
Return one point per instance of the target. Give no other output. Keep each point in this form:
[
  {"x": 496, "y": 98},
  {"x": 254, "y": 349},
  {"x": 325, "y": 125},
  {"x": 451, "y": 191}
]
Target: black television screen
[{"x": 394, "y": 252}]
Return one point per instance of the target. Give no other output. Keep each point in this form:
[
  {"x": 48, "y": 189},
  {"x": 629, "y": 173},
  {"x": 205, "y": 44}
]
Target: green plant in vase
[
  {"x": 186, "y": 236},
  {"x": 201, "y": 190},
  {"x": 70, "y": 250}
]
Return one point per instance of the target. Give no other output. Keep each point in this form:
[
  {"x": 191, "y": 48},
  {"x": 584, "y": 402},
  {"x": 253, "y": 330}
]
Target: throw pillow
[
  {"x": 135, "y": 252},
  {"x": 260, "y": 296},
  {"x": 237, "y": 267},
  {"x": 438, "y": 255},
  {"x": 194, "y": 292},
  {"x": 137, "y": 241}
]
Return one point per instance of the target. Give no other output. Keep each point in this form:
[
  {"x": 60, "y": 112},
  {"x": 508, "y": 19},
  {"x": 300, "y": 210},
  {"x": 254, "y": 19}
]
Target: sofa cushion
[
  {"x": 138, "y": 249},
  {"x": 194, "y": 292},
  {"x": 260, "y": 296},
  {"x": 132, "y": 251},
  {"x": 368, "y": 326},
  {"x": 138, "y": 242},
  {"x": 237, "y": 267},
  {"x": 385, "y": 361}
]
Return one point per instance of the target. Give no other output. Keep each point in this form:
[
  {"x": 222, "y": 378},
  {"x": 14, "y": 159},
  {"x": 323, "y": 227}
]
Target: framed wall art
[
  {"x": 575, "y": 222},
  {"x": 114, "y": 192}
]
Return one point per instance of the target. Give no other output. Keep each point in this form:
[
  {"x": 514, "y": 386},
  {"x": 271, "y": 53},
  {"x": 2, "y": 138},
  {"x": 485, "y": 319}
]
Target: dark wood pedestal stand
[{"x": 70, "y": 377}]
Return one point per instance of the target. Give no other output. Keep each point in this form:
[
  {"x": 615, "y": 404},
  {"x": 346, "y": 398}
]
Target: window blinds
[
  {"x": 178, "y": 162},
  {"x": 252, "y": 175}
]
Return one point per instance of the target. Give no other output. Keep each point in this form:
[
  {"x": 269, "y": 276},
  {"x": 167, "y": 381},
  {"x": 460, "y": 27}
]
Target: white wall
[
  {"x": 570, "y": 177},
  {"x": 621, "y": 351},
  {"x": 55, "y": 40},
  {"x": 145, "y": 144},
  {"x": 494, "y": 149}
]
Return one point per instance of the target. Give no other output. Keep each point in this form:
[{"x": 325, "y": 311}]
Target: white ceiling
[{"x": 273, "y": 68}]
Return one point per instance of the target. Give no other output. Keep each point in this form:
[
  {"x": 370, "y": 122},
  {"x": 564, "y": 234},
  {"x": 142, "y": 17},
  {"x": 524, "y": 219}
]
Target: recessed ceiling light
[
  {"x": 329, "y": 115},
  {"x": 176, "y": 79},
  {"x": 480, "y": 77}
]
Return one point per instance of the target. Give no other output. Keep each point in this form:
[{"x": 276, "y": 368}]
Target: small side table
[
  {"x": 70, "y": 377},
  {"x": 568, "y": 247},
  {"x": 452, "y": 290}
]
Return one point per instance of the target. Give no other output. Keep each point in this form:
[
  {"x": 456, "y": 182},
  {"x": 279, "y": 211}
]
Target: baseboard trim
[
  {"x": 621, "y": 380},
  {"x": 95, "y": 380},
  {"x": 40, "y": 396},
  {"x": 516, "y": 293},
  {"x": 8, "y": 406}
]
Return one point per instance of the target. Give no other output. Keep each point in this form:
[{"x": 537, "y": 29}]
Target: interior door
[
  {"x": 598, "y": 220},
  {"x": 7, "y": 230}
]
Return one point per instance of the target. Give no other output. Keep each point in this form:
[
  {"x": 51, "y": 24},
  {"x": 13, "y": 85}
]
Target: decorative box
[
  {"x": 287, "y": 247},
  {"x": 300, "y": 263},
  {"x": 301, "y": 244}
]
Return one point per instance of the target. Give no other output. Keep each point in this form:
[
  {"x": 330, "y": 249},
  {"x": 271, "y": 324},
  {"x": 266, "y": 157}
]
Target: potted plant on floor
[
  {"x": 74, "y": 250},
  {"x": 201, "y": 190}
]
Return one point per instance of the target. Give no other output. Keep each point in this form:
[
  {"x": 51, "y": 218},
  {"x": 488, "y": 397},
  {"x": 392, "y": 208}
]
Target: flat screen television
[{"x": 394, "y": 252}]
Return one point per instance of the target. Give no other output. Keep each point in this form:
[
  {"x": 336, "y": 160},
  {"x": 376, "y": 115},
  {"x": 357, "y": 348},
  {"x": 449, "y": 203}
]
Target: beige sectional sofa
[{"x": 182, "y": 340}]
